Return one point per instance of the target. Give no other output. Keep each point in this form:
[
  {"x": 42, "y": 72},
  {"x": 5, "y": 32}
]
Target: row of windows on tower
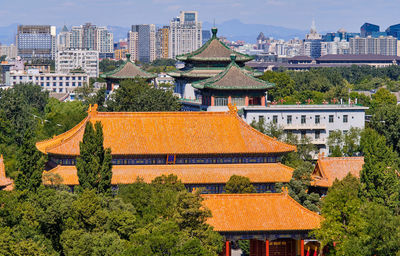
[{"x": 303, "y": 119}]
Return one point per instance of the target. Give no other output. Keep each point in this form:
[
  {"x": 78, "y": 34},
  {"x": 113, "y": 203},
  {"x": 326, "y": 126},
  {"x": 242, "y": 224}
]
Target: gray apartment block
[{"x": 313, "y": 121}]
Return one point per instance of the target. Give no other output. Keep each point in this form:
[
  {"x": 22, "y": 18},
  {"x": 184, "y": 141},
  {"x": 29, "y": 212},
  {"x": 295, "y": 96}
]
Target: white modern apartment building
[
  {"x": 313, "y": 121},
  {"x": 53, "y": 82},
  {"x": 185, "y": 34},
  {"x": 86, "y": 60},
  {"x": 384, "y": 45}
]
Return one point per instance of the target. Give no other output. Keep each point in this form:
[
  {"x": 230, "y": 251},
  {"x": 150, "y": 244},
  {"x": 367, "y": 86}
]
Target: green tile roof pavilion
[
  {"x": 233, "y": 78},
  {"x": 128, "y": 70}
]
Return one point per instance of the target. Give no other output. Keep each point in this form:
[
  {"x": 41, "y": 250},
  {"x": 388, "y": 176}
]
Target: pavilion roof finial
[
  {"x": 214, "y": 31},
  {"x": 232, "y": 108}
]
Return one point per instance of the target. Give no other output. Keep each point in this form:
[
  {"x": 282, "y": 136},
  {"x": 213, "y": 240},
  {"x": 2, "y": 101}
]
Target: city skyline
[{"x": 329, "y": 16}]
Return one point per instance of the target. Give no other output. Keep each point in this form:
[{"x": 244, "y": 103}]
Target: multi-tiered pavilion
[
  {"x": 207, "y": 61},
  {"x": 235, "y": 86},
  {"x": 204, "y": 149}
]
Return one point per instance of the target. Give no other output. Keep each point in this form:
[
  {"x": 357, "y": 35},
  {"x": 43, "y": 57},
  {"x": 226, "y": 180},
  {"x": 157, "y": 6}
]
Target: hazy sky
[{"x": 329, "y": 14}]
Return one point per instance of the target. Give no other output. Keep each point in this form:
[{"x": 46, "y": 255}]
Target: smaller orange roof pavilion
[
  {"x": 328, "y": 169},
  {"x": 188, "y": 174},
  {"x": 259, "y": 212},
  {"x": 152, "y": 133},
  {"x": 5, "y": 183}
]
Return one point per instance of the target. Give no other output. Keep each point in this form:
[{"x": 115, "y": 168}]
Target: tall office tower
[
  {"x": 63, "y": 39},
  {"x": 312, "y": 43},
  {"x": 367, "y": 29},
  {"x": 146, "y": 42},
  {"x": 133, "y": 45},
  {"x": 394, "y": 31},
  {"x": 104, "y": 43},
  {"x": 384, "y": 45},
  {"x": 162, "y": 42},
  {"x": 185, "y": 34},
  {"x": 86, "y": 60},
  {"x": 76, "y": 35},
  {"x": 35, "y": 41},
  {"x": 89, "y": 36}
]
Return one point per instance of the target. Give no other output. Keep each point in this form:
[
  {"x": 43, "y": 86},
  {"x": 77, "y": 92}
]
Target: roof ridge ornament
[
  {"x": 285, "y": 191},
  {"x": 232, "y": 109},
  {"x": 233, "y": 57},
  {"x": 214, "y": 31},
  {"x": 92, "y": 109}
]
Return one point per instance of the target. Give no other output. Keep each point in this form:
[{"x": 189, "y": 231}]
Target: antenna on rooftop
[{"x": 214, "y": 23}]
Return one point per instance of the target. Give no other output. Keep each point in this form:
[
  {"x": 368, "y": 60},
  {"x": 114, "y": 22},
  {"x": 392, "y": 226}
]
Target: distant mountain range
[{"x": 232, "y": 29}]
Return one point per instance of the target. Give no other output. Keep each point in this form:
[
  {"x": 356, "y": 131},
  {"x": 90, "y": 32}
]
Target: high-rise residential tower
[
  {"x": 185, "y": 34},
  {"x": 162, "y": 42},
  {"x": 36, "y": 41},
  {"x": 146, "y": 42}
]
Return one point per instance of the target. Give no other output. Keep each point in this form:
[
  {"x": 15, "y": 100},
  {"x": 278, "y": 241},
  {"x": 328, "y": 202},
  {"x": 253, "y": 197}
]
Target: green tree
[
  {"x": 380, "y": 182},
  {"x": 137, "y": 96},
  {"x": 30, "y": 165},
  {"x": 383, "y": 97},
  {"x": 94, "y": 163},
  {"x": 239, "y": 185}
]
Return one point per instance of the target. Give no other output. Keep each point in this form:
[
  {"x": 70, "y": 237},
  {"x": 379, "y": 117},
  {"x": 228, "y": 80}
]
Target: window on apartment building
[
  {"x": 345, "y": 118},
  {"x": 67, "y": 78},
  {"x": 261, "y": 118},
  {"x": 289, "y": 119},
  {"x": 80, "y": 78},
  {"x": 47, "y": 84},
  {"x": 79, "y": 84},
  {"x": 73, "y": 78},
  {"x": 47, "y": 78},
  {"x": 73, "y": 83},
  {"x": 330, "y": 118},
  {"x": 303, "y": 119},
  {"x": 30, "y": 77},
  {"x": 317, "y": 134},
  {"x": 275, "y": 119},
  {"x": 317, "y": 119},
  {"x": 67, "y": 84}
]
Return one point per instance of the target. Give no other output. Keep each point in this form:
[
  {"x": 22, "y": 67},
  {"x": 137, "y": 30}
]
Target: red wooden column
[
  {"x": 302, "y": 247},
  {"x": 266, "y": 247},
  {"x": 229, "y": 100},
  {"x": 263, "y": 101},
  {"x": 228, "y": 249},
  {"x": 212, "y": 100},
  {"x": 246, "y": 101}
]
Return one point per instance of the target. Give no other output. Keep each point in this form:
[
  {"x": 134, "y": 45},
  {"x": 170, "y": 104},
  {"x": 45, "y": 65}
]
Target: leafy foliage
[
  {"x": 137, "y": 95},
  {"x": 239, "y": 185}
]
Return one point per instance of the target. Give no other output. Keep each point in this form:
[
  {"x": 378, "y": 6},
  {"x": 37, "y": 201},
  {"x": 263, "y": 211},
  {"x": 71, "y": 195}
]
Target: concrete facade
[
  {"x": 313, "y": 121},
  {"x": 69, "y": 60}
]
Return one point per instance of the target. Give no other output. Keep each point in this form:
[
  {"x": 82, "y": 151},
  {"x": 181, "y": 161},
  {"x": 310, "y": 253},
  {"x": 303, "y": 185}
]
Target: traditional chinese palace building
[
  {"x": 204, "y": 149},
  {"x": 127, "y": 70},
  {"x": 235, "y": 86},
  {"x": 274, "y": 223},
  {"x": 207, "y": 61}
]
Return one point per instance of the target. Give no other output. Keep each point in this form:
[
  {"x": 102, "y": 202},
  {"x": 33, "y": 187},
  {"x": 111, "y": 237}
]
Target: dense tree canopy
[{"x": 137, "y": 95}]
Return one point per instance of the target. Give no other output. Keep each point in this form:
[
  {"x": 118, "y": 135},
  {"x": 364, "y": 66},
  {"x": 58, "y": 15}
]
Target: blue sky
[{"x": 329, "y": 14}]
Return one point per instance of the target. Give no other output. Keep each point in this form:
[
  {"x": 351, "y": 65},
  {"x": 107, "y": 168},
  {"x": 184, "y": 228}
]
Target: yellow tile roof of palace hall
[
  {"x": 328, "y": 169},
  {"x": 5, "y": 182},
  {"x": 143, "y": 133},
  {"x": 258, "y": 212},
  {"x": 187, "y": 173}
]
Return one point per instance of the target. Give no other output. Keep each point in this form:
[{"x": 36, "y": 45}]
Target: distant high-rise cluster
[{"x": 87, "y": 37}]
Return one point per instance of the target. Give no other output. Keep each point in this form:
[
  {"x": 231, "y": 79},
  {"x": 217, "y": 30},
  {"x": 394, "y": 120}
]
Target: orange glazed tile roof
[
  {"x": 328, "y": 169},
  {"x": 188, "y": 174},
  {"x": 4, "y": 181},
  {"x": 258, "y": 212},
  {"x": 144, "y": 133}
]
